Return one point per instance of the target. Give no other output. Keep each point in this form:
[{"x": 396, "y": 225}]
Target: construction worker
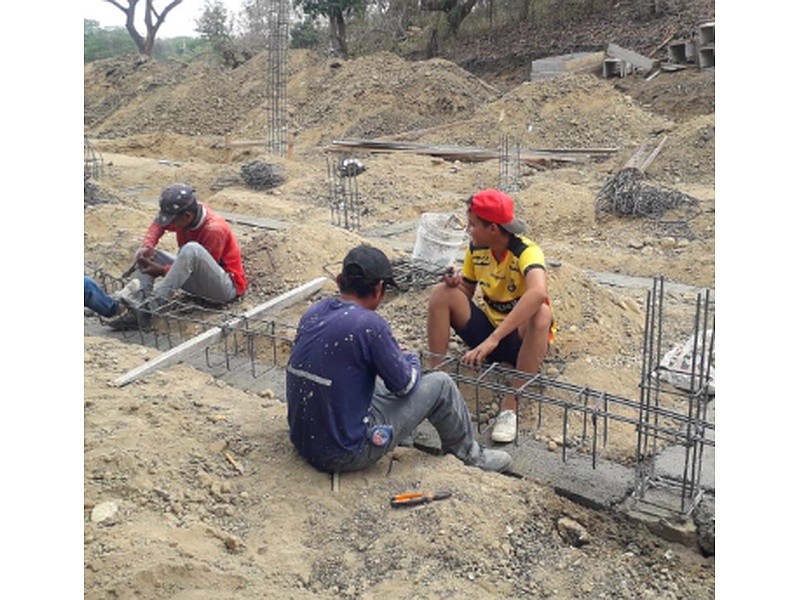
[
  {"x": 208, "y": 263},
  {"x": 514, "y": 323},
  {"x": 353, "y": 394}
]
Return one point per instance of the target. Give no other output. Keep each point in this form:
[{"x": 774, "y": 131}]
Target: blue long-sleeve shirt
[{"x": 339, "y": 350}]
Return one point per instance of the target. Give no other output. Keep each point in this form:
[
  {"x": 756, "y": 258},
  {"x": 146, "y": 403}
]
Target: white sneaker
[
  {"x": 505, "y": 427},
  {"x": 128, "y": 294}
]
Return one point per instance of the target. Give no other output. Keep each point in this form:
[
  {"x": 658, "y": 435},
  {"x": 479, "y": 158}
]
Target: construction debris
[
  {"x": 260, "y": 175},
  {"x": 627, "y": 194},
  {"x": 351, "y": 167},
  {"x": 636, "y": 61}
]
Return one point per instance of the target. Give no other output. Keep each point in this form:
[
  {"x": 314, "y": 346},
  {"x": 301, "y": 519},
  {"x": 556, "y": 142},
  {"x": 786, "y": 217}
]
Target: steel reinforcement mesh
[{"x": 587, "y": 418}]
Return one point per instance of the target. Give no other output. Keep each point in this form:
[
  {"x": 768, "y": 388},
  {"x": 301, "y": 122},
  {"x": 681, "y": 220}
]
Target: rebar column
[
  {"x": 277, "y": 52},
  {"x": 509, "y": 159},
  {"x": 92, "y": 160},
  {"x": 694, "y": 433},
  {"x": 344, "y": 200}
]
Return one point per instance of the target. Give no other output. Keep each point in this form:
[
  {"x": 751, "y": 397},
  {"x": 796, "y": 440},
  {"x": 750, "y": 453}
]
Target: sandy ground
[{"x": 191, "y": 487}]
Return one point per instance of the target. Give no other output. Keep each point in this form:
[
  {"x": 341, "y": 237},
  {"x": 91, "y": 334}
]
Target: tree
[
  {"x": 455, "y": 11},
  {"x": 304, "y": 34},
  {"x": 215, "y": 25},
  {"x": 104, "y": 42},
  {"x": 152, "y": 21},
  {"x": 336, "y": 11},
  {"x": 254, "y": 21}
]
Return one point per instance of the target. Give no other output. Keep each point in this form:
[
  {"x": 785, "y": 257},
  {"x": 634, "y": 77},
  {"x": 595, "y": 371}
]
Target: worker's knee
[
  {"x": 442, "y": 295},
  {"x": 543, "y": 318},
  {"x": 191, "y": 249}
]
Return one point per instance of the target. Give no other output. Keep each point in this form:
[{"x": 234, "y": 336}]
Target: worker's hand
[
  {"x": 144, "y": 255},
  {"x": 451, "y": 277},
  {"x": 145, "y": 252},
  {"x": 152, "y": 268},
  {"x": 477, "y": 356}
]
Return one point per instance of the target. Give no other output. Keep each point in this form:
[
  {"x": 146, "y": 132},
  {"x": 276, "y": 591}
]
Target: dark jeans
[{"x": 438, "y": 400}]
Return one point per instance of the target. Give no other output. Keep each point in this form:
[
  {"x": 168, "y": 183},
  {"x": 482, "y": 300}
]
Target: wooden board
[{"x": 213, "y": 335}]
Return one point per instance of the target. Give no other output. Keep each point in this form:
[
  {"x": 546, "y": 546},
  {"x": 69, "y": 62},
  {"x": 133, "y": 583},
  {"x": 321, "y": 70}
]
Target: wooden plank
[
  {"x": 253, "y": 221},
  {"x": 205, "y": 339},
  {"x": 468, "y": 153},
  {"x": 653, "y": 154},
  {"x": 643, "y": 155}
]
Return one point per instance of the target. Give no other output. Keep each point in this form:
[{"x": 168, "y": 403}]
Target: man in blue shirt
[{"x": 353, "y": 394}]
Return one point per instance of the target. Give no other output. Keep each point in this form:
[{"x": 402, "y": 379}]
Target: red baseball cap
[{"x": 496, "y": 207}]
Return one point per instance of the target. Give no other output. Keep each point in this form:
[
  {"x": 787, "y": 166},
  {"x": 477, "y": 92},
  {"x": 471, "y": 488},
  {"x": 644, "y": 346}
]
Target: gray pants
[
  {"x": 193, "y": 270},
  {"x": 438, "y": 400}
]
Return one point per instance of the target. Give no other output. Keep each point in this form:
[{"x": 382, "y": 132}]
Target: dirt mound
[
  {"x": 366, "y": 97},
  {"x": 688, "y": 153},
  {"x": 145, "y": 103}
]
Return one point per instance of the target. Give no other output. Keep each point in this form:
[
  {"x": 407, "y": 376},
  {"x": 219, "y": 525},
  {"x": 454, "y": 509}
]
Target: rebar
[
  {"x": 344, "y": 200},
  {"x": 277, "y": 59},
  {"x": 260, "y": 175},
  {"x": 267, "y": 342},
  {"x": 694, "y": 437},
  {"x": 627, "y": 194},
  {"x": 92, "y": 160},
  {"x": 509, "y": 160}
]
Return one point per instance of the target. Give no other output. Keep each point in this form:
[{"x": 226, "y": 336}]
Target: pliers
[{"x": 416, "y": 498}]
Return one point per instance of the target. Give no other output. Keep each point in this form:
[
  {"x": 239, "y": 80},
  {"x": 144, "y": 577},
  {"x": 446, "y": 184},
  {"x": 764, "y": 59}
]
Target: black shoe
[{"x": 130, "y": 319}]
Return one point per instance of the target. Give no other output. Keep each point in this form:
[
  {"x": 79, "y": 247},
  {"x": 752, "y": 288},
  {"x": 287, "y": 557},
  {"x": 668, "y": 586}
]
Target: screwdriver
[{"x": 416, "y": 498}]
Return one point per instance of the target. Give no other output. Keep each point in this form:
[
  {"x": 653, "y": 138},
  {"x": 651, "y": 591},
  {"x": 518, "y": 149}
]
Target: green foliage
[
  {"x": 305, "y": 34},
  {"x": 184, "y": 48},
  {"x": 213, "y": 25},
  {"x": 216, "y": 27},
  {"x": 105, "y": 42},
  {"x": 327, "y": 8},
  {"x": 108, "y": 42}
]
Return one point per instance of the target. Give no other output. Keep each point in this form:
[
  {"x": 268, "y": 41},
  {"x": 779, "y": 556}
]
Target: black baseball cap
[
  {"x": 174, "y": 200},
  {"x": 369, "y": 263}
]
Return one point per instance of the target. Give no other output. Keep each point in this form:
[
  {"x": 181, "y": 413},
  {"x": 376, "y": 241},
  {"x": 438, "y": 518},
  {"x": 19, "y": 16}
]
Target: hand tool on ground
[{"x": 416, "y": 498}]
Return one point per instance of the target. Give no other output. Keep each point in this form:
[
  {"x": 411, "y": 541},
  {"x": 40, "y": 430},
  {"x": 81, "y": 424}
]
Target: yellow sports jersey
[{"x": 502, "y": 284}]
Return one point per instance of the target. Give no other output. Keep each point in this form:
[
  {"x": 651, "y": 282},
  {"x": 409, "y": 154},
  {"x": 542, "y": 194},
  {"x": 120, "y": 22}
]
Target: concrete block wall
[
  {"x": 699, "y": 51},
  {"x": 705, "y": 54}
]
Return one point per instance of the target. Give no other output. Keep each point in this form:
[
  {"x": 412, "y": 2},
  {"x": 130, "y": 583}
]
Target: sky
[{"x": 179, "y": 22}]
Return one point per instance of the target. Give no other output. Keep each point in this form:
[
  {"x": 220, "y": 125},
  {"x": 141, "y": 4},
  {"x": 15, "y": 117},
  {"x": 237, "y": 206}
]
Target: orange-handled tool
[{"x": 416, "y": 498}]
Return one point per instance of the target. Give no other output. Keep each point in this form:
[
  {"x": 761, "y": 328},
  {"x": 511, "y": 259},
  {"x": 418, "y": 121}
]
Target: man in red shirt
[{"x": 208, "y": 263}]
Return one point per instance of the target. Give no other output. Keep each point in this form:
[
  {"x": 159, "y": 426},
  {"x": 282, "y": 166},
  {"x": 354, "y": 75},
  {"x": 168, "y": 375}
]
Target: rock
[
  {"x": 572, "y": 532},
  {"x": 104, "y": 511},
  {"x": 233, "y": 543}
]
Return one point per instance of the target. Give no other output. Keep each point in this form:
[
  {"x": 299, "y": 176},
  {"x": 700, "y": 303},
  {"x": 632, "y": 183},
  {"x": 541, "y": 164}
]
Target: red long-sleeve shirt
[{"x": 215, "y": 235}]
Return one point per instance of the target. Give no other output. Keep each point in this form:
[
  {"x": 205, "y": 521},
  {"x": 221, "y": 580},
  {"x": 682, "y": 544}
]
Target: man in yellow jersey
[{"x": 514, "y": 322}]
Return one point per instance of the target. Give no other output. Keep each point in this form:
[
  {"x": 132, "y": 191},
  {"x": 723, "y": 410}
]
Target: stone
[
  {"x": 572, "y": 532},
  {"x": 104, "y": 511}
]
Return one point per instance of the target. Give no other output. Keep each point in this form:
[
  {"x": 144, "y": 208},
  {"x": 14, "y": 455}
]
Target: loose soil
[{"x": 205, "y": 497}]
